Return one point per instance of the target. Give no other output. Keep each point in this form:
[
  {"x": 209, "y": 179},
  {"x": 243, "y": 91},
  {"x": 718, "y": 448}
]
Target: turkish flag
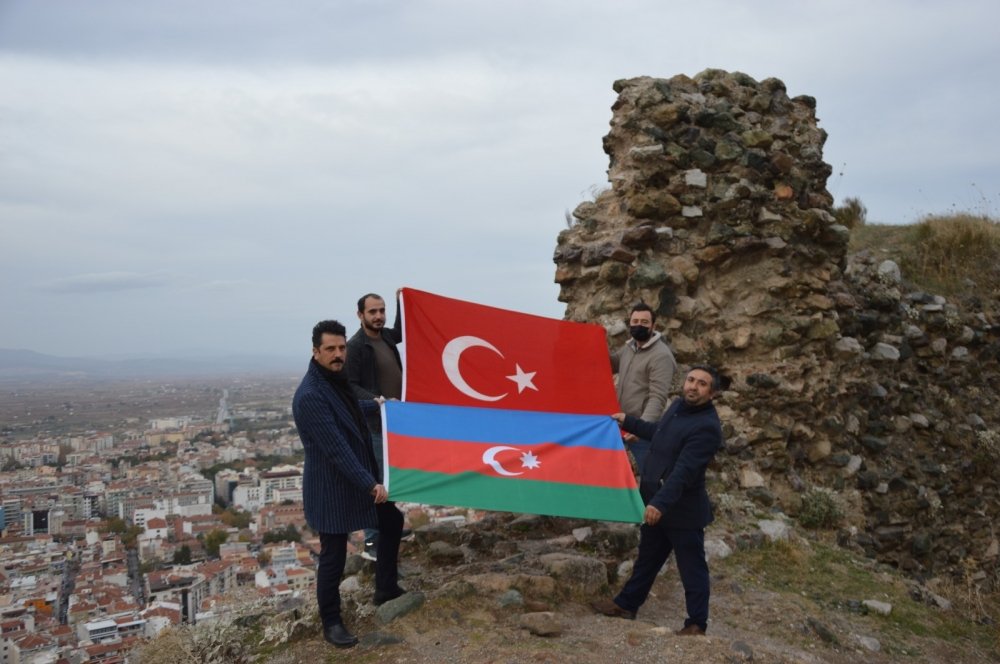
[{"x": 466, "y": 354}]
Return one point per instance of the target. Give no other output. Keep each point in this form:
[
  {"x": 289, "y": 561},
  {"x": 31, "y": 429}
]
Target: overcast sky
[{"x": 193, "y": 175}]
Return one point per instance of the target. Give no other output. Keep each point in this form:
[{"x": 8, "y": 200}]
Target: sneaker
[{"x": 371, "y": 547}]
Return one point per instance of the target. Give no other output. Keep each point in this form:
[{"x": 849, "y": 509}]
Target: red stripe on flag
[{"x": 578, "y": 465}]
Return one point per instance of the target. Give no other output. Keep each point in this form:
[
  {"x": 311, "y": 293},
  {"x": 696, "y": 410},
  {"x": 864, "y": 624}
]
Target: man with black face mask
[{"x": 645, "y": 366}]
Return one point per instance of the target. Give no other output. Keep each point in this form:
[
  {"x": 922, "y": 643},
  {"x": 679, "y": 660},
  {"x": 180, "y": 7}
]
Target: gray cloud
[
  {"x": 263, "y": 164},
  {"x": 104, "y": 282}
]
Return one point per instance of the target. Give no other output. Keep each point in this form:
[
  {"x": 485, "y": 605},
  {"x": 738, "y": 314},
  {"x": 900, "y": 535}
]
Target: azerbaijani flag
[
  {"x": 558, "y": 464},
  {"x": 467, "y": 354}
]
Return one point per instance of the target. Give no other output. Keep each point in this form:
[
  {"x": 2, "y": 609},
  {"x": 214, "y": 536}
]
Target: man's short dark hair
[
  {"x": 642, "y": 306},
  {"x": 327, "y": 327},
  {"x": 361, "y": 302},
  {"x": 710, "y": 370}
]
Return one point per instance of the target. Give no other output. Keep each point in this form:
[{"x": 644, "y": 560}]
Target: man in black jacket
[
  {"x": 672, "y": 485},
  {"x": 375, "y": 371}
]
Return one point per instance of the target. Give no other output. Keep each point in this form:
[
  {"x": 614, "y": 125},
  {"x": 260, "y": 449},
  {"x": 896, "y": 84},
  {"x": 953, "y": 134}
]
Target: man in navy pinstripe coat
[{"x": 342, "y": 489}]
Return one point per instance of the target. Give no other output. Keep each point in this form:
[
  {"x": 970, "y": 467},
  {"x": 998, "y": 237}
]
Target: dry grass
[
  {"x": 834, "y": 580},
  {"x": 950, "y": 255}
]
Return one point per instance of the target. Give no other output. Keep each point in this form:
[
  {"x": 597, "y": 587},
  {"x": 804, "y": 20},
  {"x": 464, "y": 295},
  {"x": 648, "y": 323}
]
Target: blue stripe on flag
[{"x": 489, "y": 425}]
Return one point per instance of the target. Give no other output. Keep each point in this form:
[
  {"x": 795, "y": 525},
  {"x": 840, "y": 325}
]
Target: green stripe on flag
[{"x": 515, "y": 495}]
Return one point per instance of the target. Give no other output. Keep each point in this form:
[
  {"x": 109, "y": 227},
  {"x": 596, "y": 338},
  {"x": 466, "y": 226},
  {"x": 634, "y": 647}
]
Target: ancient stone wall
[{"x": 719, "y": 218}]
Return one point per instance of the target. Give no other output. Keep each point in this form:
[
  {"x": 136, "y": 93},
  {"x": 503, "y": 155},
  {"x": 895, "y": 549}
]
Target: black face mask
[{"x": 640, "y": 333}]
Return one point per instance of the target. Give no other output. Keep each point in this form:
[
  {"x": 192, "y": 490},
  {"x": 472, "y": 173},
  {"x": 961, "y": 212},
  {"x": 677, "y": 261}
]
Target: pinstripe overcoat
[{"x": 340, "y": 469}]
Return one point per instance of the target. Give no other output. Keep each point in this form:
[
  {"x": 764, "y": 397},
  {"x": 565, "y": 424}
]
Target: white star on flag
[
  {"x": 530, "y": 461},
  {"x": 523, "y": 379}
]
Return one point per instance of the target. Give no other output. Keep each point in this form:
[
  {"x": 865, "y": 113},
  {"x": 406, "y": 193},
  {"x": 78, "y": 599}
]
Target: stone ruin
[{"x": 841, "y": 377}]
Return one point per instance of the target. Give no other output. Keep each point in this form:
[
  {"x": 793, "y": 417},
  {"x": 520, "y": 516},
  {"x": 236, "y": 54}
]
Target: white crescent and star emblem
[
  {"x": 451, "y": 355},
  {"x": 528, "y": 460}
]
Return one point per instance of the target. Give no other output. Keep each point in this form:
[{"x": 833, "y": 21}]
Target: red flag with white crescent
[{"x": 466, "y": 354}]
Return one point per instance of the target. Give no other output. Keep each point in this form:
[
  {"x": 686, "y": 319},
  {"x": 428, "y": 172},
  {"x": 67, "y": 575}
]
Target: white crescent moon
[
  {"x": 450, "y": 356},
  {"x": 489, "y": 458}
]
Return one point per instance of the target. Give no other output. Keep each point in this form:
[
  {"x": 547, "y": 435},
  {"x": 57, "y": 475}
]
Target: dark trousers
[
  {"x": 375, "y": 428},
  {"x": 333, "y": 556},
  {"x": 640, "y": 450},
  {"x": 655, "y": 546}
]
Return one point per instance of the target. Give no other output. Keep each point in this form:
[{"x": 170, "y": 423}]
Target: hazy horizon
[{"x": 220, "y": 176}]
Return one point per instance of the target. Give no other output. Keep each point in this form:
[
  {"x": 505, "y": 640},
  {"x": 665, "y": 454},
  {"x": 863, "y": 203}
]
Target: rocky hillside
[
  {"x": 516, "y": 588},
  {"x": 843, "y": 378}
]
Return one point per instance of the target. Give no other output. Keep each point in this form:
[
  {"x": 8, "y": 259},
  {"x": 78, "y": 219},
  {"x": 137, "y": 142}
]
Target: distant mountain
[{"x": 18, "y": 365}]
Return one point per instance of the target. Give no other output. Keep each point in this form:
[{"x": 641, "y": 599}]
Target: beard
[{"x": 374, "y": 326}]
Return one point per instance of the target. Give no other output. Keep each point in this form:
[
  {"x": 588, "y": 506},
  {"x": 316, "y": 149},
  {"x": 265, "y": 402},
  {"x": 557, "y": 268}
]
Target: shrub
[
  {"x": 819, "y": 509},
  {"x": 852, "y": 213},
  {"x": 223, "y": 642}
]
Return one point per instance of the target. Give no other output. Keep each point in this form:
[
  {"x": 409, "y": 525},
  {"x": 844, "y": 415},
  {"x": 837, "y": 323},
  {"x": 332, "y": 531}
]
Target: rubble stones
[
  {"x": 445, "y": 553},
  {"x": 881, "y": 352},
  {"x": 774, "y": 530},
  {"x": 761, "y": 284},
  {"x": 822, "y": 630},
  {"x": 399, "y": 607},
  {"x": 889, "y": 272},
  {"x": 716, "y": 549},
  {"x": 542, "y": 623},
  {"x": 576, "y": 573},
  {"x": 877, "y": 606},
  {"x": 869, "y": 643},
  {"x": 848, "y": 347}
]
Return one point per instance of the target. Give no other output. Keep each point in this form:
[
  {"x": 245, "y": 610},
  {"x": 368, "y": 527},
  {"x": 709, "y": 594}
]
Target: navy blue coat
[
  {"x": 340, "y": 469},
  {"x": 672, "y": 479}
]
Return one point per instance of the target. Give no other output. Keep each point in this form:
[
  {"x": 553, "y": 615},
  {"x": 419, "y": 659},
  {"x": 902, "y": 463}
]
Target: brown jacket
[{"x": 645, "y": 377}]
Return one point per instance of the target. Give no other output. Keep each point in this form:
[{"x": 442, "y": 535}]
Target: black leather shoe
[
  {"x": 339, "y": 636},
  {"x": 383, "y": 597}
]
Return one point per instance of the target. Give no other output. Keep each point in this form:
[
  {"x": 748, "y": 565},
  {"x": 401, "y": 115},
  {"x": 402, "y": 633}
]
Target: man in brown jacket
[{"x": 645, "y": 366}]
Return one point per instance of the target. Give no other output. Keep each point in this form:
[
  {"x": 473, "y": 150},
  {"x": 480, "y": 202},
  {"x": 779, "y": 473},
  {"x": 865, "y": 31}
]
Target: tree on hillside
[
  {"x": 213, "y": 540},
  {"x": 182, "y": 556},
  {"x": 115, "y": 525},
  {"x": 287, "y": 534},
  {"x": 235, "y": 518},
  {"x": 129, "y": 534},
  {"x": 212, "y": 471},
  {"x": 9, "y": 463},
  {"x": 130, "y": 537}
]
